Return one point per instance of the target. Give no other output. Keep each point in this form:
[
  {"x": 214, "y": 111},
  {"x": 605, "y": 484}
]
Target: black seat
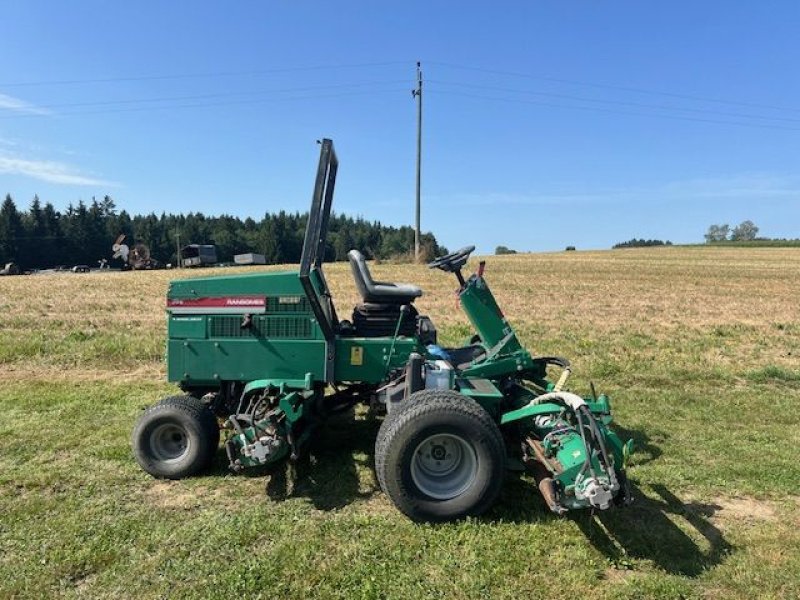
[{"x": 379, "y": 292}]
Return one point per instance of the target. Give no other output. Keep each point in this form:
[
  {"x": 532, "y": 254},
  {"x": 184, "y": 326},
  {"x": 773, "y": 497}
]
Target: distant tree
[
  {"x": 33, "y": 238},
  {"x": 745, "y": 231},
  {"x": 10, "y": 232},
  {"x": 504, "y": 250},
  {"x": 717, "y": 233},
  {"x": 343, "y": 243},
  {"x": 642, "y": 243}
]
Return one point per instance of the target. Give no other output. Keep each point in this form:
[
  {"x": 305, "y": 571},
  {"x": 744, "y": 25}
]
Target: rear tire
[
  {"x": 175, "y": 438},
  {"x": 441, "y": 458}
]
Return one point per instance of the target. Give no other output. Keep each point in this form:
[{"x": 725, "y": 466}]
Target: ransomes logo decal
[
  {"x": 244, "y": 302},
  {"x": 224, "y": 304}
]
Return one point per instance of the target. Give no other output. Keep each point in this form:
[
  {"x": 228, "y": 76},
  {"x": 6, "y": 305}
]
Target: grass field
[{"x": 699, "y": 349}]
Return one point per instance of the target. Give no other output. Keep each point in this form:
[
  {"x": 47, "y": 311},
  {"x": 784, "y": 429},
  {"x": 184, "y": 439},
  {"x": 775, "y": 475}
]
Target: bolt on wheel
[
  {"x": 169, "y": 442},
  {"x": 444, "y": 466}
]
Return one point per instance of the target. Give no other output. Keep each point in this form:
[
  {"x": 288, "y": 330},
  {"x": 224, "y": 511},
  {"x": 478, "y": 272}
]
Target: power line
[
  {"x": 614, "y": 102},
  {"x": 612, "y": 87},
  {"x": 203, "y": 75},
  {"x": 215, "y": 95},
  {"x": 612, "y": 111},
  {"x": 212, "y": 104}
]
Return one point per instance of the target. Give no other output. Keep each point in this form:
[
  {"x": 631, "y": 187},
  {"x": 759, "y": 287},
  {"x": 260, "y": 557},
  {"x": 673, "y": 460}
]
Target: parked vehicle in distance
[
  {"x": 198, "y": 255},
  {"x": 250, "y": 258}
]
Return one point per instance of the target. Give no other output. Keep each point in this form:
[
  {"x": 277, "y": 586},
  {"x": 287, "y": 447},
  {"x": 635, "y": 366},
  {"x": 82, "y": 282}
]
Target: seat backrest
[{"x": 360, "y": 272}]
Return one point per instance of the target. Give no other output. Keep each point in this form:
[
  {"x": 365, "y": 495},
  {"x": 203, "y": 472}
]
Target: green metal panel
[
  {"x": 280, "y": 385},
  {"x": 487, "y": 318},
  {"x": 369, "y": 359},
  {"x": 601, "y": 408},
  {"x": 571, "y": 454},
  {"x": 245, "y": 359},
  {"x": 284, "y": 343},
  {"x": 175, "y": 350},
  {"x": 483, "y": 391},
  {"x": 280, "y": 283},
  {"x": 479, "y": 388},
  {"x": 531, "y": 410},
  {"x": 185, "y": 327}
]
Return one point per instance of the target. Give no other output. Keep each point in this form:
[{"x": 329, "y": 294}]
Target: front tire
[
  {"x": 441, "y": 458},
  {"x": 175, "y": 438}
]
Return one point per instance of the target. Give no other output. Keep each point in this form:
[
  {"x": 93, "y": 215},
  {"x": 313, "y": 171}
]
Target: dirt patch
[
  {"x": 176, "y": 496},
  {"x": 614, "y": 575},
  {"x": 35, "y": 372},
  {"x": 739, "y": 509}
]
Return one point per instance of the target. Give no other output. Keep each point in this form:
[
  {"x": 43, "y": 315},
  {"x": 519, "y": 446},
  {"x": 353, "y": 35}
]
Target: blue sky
[{"x": 546, "y": 123}]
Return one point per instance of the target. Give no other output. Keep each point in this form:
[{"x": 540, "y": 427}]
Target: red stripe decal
[{"x": 242, "y": 303}]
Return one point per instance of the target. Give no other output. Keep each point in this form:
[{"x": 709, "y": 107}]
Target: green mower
[{"x": 265, "y": 358}]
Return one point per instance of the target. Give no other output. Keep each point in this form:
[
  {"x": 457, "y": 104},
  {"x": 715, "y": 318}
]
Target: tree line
[
  {"x": 641, "y": 243},
  {"x": 43, "y": 237}
]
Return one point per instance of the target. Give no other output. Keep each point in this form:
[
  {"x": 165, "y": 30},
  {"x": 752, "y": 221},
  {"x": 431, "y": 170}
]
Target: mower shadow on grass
[
  {"x": 645, "y": 446},
  {"x": 519, "y": 502},
  {"x": 330, "y": 473},
  {"x": 649, "y": 530}
]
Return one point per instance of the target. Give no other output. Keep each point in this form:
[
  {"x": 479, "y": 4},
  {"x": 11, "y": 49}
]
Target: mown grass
[{"x": 698, "y": 348}]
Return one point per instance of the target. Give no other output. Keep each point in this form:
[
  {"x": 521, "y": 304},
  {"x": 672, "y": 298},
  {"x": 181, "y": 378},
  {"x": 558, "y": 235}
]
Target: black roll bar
[{"x": 316, "y": 235}]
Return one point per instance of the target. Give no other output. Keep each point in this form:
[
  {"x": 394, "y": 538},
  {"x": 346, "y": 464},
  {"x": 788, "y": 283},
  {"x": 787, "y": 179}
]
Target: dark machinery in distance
[{"x": 266, "y": 356}]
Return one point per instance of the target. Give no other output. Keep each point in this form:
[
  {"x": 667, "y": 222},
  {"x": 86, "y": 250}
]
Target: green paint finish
[
  {"x": 483, "y": 391},
  {"x": 368, "y": 360},
  {"x": 186, "y": 327},
  {"x": 280, "y": 385},
  {"x": 519, "y": 362},
  {"x": 571, "y": 454},
  {"x": 282, "y": 283},
  {"x": 285, "y": 343},
  {"x": 601, "y": 408},
  {"x": 530, "y": 411},
  {"x": 175, "y": 356},
  {"x": 245, "y": 359},
  {"x": 292, "y": 406},
  {"x": 481, "y": 307}
]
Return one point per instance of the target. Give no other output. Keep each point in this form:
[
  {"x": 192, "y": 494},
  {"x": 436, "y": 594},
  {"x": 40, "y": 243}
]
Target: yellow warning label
[{"x": 357, "y": 355}]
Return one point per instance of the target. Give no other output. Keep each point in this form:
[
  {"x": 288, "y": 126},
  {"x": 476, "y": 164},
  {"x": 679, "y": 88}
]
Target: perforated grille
[
  {"x": 226, "y": 327},
  {"x": 287, "y": 304},
  {"x": 262, "y": 326}
]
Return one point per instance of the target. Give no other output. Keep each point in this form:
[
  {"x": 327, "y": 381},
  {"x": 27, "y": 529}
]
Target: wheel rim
[
  {"x": 169, "y": 442},
  {"x": 443, "y": 466}
]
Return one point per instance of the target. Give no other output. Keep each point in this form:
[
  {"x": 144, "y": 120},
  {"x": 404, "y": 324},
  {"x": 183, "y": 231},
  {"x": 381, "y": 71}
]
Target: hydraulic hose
[
  {"x": 599, "y": 437},
  {"x": 569, "y": 399}
]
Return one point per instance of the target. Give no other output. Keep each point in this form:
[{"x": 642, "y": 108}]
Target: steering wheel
[{"x": 452, "y": 262}]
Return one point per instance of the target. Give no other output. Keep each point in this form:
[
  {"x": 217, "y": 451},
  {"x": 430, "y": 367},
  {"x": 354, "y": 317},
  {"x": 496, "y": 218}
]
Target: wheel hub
[
  {"x": 444, "y": 466},
  {"x": 169, "y": 442}
]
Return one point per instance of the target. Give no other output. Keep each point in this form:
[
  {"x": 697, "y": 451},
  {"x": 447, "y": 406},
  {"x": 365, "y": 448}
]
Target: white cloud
[
  {"x": 49, "y": 171},
  {"x": 20, "y": 106}
]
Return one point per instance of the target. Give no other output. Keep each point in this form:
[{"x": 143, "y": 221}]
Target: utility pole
[
  {"x": 417, "y": 93},
  {"x": 178, "y": 245}
]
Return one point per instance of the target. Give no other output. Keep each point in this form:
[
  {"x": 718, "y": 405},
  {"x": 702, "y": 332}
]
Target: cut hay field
[{"x": 699, "y": 349}]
